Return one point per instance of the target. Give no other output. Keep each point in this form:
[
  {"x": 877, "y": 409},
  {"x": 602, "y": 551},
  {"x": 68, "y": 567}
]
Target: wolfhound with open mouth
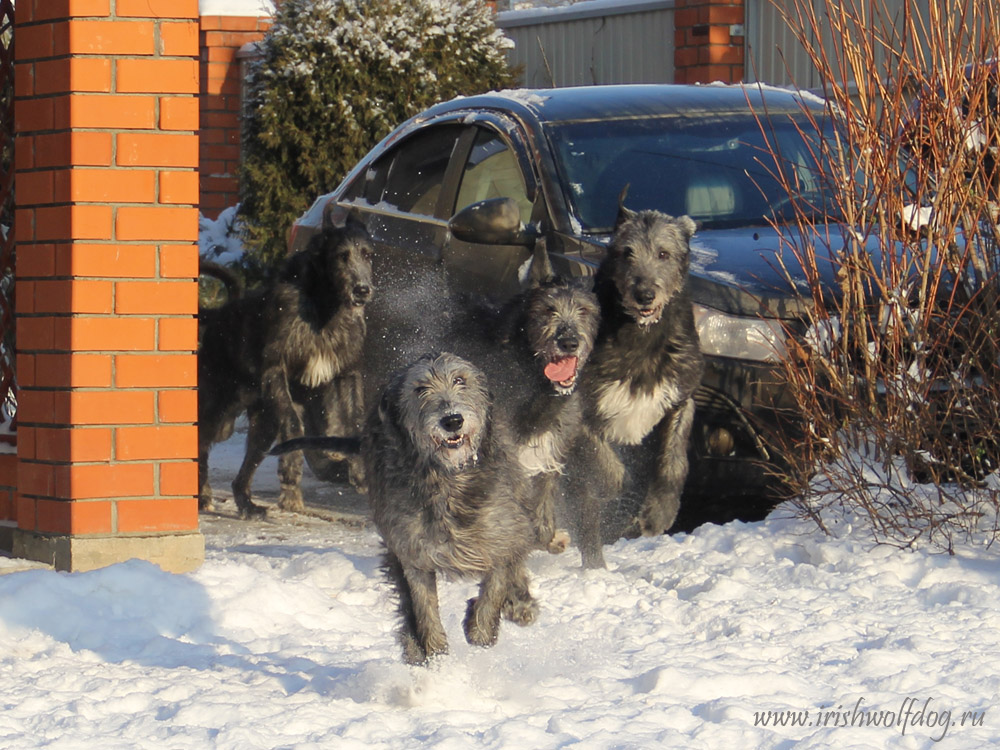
[
  {"x": 448, "y": 497},
  {"x": 535, "y": 348},
  {"x": 639, "y": 384}
]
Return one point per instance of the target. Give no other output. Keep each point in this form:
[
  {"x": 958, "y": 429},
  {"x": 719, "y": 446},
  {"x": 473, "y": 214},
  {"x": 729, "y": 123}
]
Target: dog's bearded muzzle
[
  {"x": 645, "y": 305},
  {"x": 361, "y": 294},
  {"x": 455, "y": 442}
]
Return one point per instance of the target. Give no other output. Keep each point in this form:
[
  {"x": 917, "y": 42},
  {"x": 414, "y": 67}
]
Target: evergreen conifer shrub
[{"x": 334, "y": 78}]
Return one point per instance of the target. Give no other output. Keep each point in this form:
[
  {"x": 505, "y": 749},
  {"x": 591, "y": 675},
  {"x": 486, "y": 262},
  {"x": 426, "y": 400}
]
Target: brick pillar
[
  {"x": 709, "y": 41},
  {"x": 221, "y": 103},
  {"x": 106, "y": 116}
]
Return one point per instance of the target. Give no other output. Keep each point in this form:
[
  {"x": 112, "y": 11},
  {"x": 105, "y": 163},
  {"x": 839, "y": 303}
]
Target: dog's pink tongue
[{"x": 561, "y": 370}]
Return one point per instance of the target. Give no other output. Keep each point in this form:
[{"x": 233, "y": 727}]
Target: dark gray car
[{"x": 471, "y": 186}]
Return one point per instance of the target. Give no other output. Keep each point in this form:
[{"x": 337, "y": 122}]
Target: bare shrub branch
[{"x": 895, "y": 375}]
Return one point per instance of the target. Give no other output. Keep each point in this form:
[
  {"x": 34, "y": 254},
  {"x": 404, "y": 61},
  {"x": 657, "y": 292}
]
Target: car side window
[
  {"x": 492, "y": 171},
  {"x": 416, "y": 170}
]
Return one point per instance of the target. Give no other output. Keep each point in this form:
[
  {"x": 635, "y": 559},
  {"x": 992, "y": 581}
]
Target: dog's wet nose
[
  {"x": 362, "y": 291},
  {"x": 452, "y": 422},
  {"x": 568, "y": 343},
  {"x": 644, "y": 295}
]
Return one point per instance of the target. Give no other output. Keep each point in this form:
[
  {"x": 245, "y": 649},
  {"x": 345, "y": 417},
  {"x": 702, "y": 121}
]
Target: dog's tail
[
  {"x": 234, "y": 287},
  {"x": 349, "y": 445}
]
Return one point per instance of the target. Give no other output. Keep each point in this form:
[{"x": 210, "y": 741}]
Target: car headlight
[{"x": 739, "y": 337}]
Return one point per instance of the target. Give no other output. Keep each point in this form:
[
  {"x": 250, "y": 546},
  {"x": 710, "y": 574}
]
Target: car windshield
[{"x": 713, "y": 167}]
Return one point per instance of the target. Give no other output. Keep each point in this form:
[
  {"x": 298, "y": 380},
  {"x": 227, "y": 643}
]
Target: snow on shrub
[{"x": 335, "y": 76}]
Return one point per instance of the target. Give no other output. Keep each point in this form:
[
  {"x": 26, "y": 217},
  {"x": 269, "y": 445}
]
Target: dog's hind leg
[
  {"x": 204, "y": 487},
  {"x": 215, "y": 424},
  {"x": 421, "y": 633},
  {"x": 260, "y": 436},
  {"x": 336, "y": 409},
  {"x": 290, "y": 479},
  {"x": 290, "y": 473},
  {"x": 663, "y": 499},
  {"x": 598, "y": 474},
  {"x": 544, "y": 488}
]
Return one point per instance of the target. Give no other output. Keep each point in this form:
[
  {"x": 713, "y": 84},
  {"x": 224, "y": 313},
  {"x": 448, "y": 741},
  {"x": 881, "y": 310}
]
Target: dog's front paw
[
  {"x": 416, "y": 654},
  {"x": 291, "y": 499},
  {"x": 593, "y": 558},
  {"x": 633, "y": 530},
  {"x": 657, "y": 519},
  {"x": 480, "y": 633},
  {"x": 250, "y": 511},
  {"x": 521, "y": 610},
  {"x": 356, "y": 476},
  {"x": 559, "y": 542}
]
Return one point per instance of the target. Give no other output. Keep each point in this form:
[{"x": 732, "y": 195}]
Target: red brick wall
[
  {"x": 8, "y": 486},
  {"x": 106, "y": 116},
  {"x": 221, "y": 38},
  {"x": 706, "y": 50}
]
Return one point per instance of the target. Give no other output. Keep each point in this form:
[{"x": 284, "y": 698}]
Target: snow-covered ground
[{"x": 283, "y": 639}]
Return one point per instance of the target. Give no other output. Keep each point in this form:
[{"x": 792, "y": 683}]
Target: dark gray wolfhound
[
  {"x": 282, "y": 354},
  {"x": 535, "y": 348},
  {"x": 639, "y": 383},
  {"x": 448, "y": 496}
]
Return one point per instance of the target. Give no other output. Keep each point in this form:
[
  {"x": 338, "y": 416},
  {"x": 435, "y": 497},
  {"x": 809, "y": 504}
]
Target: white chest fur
[
  {"x": 538, "y": 455},
  {"x": 317, "y": 371},
  {"x": 628, "y": 417}
]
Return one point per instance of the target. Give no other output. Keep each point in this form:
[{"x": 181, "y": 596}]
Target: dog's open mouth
[
  {"x": 453, "y": 442},
  {"x": 647, "y": 315},
  {"x": 562, "y": 371}
]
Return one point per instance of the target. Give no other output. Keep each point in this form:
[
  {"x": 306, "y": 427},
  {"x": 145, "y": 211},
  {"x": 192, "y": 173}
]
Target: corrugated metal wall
[
  {"x": 773, "y": 55},
  {"x": 625, "y": 42}
]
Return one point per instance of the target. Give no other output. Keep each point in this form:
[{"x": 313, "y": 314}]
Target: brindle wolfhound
[
  {"x": 275, "y": 354},
  {"x": 639, "y": 384},
  {"x": 535, "y": 348},
  {"x": 448, "y": 496}
]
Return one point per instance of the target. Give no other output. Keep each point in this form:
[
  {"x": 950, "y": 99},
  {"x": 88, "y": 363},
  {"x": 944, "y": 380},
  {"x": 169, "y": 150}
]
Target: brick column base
[{"x": 176, "y": 553}]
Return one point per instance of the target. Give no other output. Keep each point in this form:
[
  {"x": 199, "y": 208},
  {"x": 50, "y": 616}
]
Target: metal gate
[{"x": 8, "y": 383}]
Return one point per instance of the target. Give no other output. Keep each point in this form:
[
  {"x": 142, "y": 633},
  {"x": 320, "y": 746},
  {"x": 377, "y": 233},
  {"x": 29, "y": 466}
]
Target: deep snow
[{"x": 283, "y": 639}]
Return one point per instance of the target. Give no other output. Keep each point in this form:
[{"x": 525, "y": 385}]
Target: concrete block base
[{"x": 175, "y": 553}]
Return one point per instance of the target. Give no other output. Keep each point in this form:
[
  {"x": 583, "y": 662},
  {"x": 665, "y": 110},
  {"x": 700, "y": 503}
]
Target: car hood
[{"x": 753, "y": 270}]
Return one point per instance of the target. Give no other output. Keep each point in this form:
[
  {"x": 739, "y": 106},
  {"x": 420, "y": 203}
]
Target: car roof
[{"x": 637, "y": 100}]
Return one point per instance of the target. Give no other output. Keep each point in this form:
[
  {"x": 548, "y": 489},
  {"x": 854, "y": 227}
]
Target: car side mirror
[{"x": 496, "y": 221}]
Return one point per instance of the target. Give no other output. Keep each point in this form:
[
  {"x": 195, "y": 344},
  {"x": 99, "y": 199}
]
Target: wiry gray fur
[
  {"x": 287, "y": 356},
  {"x": 448, "y": 496},
  {"x": 535, "y": 347},
  {"x": 639, "y": 384}
]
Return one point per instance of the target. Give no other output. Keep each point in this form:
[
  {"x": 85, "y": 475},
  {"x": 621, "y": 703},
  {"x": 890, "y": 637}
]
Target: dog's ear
[
  {"x": 354, "y": 220},
  {"x": 687, "y": 225},
  {"x": 541, "y": 266},
  {"x": 624, "y": 214},
  {"x": 384, "y": 407},
  {"x": 297, "y": 265},
  {"x": 305, "y": 263}
]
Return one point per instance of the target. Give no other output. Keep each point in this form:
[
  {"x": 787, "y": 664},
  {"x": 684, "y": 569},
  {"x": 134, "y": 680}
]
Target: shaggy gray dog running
[
  {"x": 639, "y": 384},
  {"x": 278, "y": 355},
  {"x": 448, "y": 496}
]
